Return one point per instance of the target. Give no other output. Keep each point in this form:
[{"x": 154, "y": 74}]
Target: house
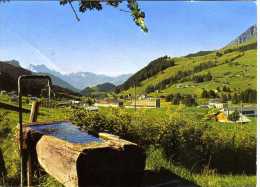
[
  {"x": 34, "y": 98},
  {"x": 249, "y": 111},
  {"x": 216, "y": 100},
  {"x": 203, "y": 106},
  {"x": 75, "y": 102},
  {"x": 14, "y": 98},
  {"x": 91, "y": 108},
  {"x": 242, "y": 118},
  {"x": 216, "y": 104},
  {"x": 245, "y": 110},
  {"x": 146, "y": 103},
  {"x": 3, "y": 92},
  {"x": 107, "y": 103},
  {"x": 143, "y": 96},
  {"x": 12, "y": 93},
  {"x": 220, "y": 117}
]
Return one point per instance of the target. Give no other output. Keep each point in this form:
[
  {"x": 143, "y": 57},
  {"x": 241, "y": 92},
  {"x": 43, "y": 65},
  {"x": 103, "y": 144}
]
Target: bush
[
  {"x": 133, "y": 127},
  {"x": 234, "y": 116},
  {"x": 186, "y": 99},
  {"x": 202, "y": 78},
  {"x": 198, "y": 146},
  {"x": 195, "y": 145},
  {"x": 209, "y": 94}
]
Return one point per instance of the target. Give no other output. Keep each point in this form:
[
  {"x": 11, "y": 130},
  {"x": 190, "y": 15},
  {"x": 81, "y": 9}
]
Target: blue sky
[{"x": 108, "y": 41}]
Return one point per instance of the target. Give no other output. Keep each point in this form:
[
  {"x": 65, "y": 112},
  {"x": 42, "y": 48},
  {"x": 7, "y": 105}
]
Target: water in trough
[{"x": 65, "y": 131}]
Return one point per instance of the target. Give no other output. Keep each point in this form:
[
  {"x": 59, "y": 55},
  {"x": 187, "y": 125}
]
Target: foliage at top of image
[{"x": 136, "y": 13}]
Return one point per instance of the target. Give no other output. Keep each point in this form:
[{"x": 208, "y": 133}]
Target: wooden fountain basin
[{"x": 76, "y": 158}]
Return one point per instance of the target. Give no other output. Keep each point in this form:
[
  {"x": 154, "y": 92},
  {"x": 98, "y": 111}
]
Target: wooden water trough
[{"x": 76, "y": 158}]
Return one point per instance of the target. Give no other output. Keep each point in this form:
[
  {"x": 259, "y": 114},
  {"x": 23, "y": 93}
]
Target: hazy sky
[{"x": 108, "y": 41}]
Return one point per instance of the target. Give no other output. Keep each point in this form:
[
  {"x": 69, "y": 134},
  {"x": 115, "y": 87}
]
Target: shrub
[
  {"x": 198, "y": 146},
  {"x": 234, "y": 116},
  {"x": 195, "y": 145},
  {"x": 133, "y": 127}
]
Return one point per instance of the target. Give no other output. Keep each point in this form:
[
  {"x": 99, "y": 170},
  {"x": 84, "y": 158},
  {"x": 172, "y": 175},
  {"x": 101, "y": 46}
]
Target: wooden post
[
  {"x": 135, "y": 95},
  {"x": 3, "y": 171},
  {"x": 34, "y": 111},
  {"x": 33, "y": 118}
]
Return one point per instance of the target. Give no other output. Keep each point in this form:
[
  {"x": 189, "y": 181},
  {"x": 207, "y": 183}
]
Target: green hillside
[
  {"x": 233, "y": 66},
  {"x": 100, "y": 90}
]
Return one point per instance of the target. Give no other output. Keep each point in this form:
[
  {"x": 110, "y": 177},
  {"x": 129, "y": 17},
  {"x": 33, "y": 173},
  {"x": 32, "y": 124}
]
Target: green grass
[{"x": 207, "y": 178}]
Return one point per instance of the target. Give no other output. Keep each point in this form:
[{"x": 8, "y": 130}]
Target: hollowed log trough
[{"x": 76, "y": 158}]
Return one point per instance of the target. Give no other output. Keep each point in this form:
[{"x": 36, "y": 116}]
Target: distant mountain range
[{"x": 80, "y": 80}]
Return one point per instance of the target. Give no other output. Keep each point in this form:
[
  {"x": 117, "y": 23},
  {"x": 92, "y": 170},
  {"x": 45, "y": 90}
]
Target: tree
[
  {"x": 176, "y": 99},
  {"x": 189, "y": 100},
  {"x": 204, "y": 94},
  {"x": 149, "y": 89},
  {"x": 85, "y": 5},
  {"x": 235, "y": 99},
  {"x": 212, "y": 94},
  {"x": 226, "y": 89},
  {"x": 248, "y": 96},
  {"x": 218, "y": 54},
  {"x": 224, "y": 98},
  {"x": 234, "y": 116},
  {"x": 208, "y": 77}
]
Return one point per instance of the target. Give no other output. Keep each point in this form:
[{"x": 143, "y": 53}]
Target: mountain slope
[
  {"x": 148, "y": 71},
  {"x": 13, "y": 62},
  {"x": 233, "y": 66},
  {"x": 81, "y": 80},
  {"x": 57, "y": 81},
  {"x": 98, "y": 89},
  {"x": 8, "y": 81}
]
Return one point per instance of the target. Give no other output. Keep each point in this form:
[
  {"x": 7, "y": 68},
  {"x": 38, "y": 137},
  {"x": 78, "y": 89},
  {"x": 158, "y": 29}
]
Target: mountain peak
[
  {"x": 246, "y": 36},
  {"x": 37, "y": 68}
]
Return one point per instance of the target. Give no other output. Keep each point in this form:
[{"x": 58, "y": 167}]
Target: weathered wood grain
[{"x": 111, "y": 162}]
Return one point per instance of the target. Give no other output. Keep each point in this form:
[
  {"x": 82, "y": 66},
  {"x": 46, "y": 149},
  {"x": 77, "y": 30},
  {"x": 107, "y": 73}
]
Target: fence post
[
  {"x": 3, "y": 171},
  {"x": 33, "y": 118}
]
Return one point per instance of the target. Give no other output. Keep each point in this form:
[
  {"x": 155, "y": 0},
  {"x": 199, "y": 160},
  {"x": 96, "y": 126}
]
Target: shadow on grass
[{"x": 164, "y": 178}]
